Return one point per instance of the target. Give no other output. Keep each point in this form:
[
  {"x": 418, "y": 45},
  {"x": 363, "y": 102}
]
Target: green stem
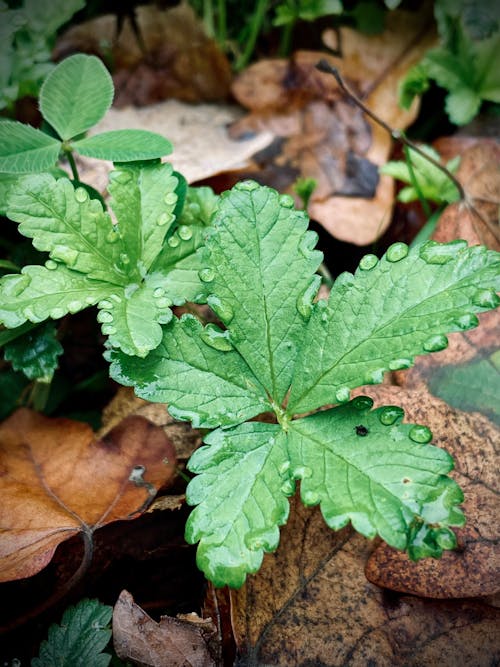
[
  {"x": 255, "y": 26},
  {"x": 72, "y": 164},
  {"x": 414, "y": 181},
  {"x": 286, "y": 39},
  {"x": 221, "y": 23},
  {"x": 208, "y": 18},
  {"x": 425, "y": 233}
]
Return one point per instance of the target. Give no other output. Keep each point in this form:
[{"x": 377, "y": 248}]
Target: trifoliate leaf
[
  {"x": 196, "y": 371},
  {"x": 66, "y": 223},
  {"x": 387, "y": 313},
  {"x": 38, "y": 293},
  {"x": 241, "y": 498},
  {"x": 76, "y": 95},
  {"x": 36, "y": 352},
  {"x": 262, "y": 261},
  {"x": 124, "y": 145},
  {"x": 147, "y": 194},
  {"x": 24, "y": 149},
  {"x": 382, "y": 476},
  {"x": 80, "y": 638}
]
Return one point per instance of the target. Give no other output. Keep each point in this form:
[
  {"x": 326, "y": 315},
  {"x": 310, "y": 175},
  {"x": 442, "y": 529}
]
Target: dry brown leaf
[
  {"x": 311, "y": 605},
  {"x": 474, "y": 569},
  {"x": 187, "y": 641},
  {"x": 57, "y": 479},
  {"x": 179, "y": 60},
  {"x": 328, "y": 139}
]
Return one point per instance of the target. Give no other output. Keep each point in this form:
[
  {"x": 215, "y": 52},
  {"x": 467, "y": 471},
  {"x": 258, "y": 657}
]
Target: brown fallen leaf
[
  {"x": 186, "y": 641},
  {"x": 474, "y": 569},
  {"x": 311, "y": 605},
  {"x": 327, "y": 138},
  {"x": 57, "y": 480}
]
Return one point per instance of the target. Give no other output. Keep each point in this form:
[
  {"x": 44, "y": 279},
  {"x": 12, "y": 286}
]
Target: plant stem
[
  {"x": 208, "y": 18},
  {"x": 398, "y": 135},
  {"x": 221, "y": 23},
  {"x": 286, "y": 39},
  {"x": 72, "y": 164},
  {"x": 414, "y": 181},
  {"x": 255, "y": 26}
]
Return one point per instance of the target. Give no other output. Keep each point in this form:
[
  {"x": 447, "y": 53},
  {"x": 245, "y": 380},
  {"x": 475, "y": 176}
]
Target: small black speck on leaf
[{"x": 361, "y": 430}]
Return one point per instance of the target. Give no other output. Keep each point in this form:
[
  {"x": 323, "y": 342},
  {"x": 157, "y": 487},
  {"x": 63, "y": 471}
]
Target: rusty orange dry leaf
[{"x": 57, "y": 479}]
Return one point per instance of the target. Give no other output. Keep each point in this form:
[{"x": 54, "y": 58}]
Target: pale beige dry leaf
[{"x": 187, "y": 641}]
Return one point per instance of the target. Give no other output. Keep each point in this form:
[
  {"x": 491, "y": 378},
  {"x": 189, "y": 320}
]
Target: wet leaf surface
[{"x": 57, "y": 480}]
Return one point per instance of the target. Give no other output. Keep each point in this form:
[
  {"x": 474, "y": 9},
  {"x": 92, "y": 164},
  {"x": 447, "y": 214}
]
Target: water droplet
[
  {"x": 446, "y": 538},
  {"x": 305, "y": 300},
  {"x": 216, "y": 338},
  {"x": 287, "y": 201},
  {"x": 400, "y": 364},
  {"x": 246, "y": 186},
  {"x": 50, "y": 265},
  {"x": 174, "y": 241},
  {"x": 185, "y": 232},
  {"x": 124, "y": 258},
  {"x": 396, "y": 252},
  {"x": 115, "y": 298},
  {"x": 64, "y": 254},
  {"x": 158, "y": 292},
  {"x": 164, "y": 317},
  {"x": 486, "y": 298},
  {"x": 362, "y": 403},
  {"x": 122, "y": 177},
  {"x": 368, "y": 262},
  {"x": 223, "y": 310},
  {"x": 16, "y": 285},
  {"x": 105, "y": 304},
  {"x": 113, "y": 236},
  {"x": 466, "y": 321},
  {"x": 75, "y": 305},
  {"x": 104, "y": 316},
  {"x": 310, "y": 498},
  {"x": 390, "y": 415},
  {"x": 163, "y": 219},
  {"x": 30, "y": 314},
  {"x": 254, "y": 543},
  {"x": 301, "y": 472},
  {"x": 420, "y": 434},
  {"x": 90, "y": 300},
  {"x": 288, "y": 487},
  {"x": 433, "y": 252},
  {"x": 343, "y": 394},
  {"x": 170, "y": 199},
  {"x": 206, "y": 275},
  {"x": 57, "y": 313},
  {"x": 163, "y": 302},
  {"x": 284, "y": 468},
  {"x": 108, "y": 329},
  {"x": 81, "y": 195},
  {"x": 435, "y": 343},
  {"x": 375, "y": 376}
]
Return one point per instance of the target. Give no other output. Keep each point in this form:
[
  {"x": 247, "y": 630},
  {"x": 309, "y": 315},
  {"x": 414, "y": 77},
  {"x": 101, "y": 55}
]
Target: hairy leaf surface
[
  {"x": 263, "y": 263},
  {"x": 24, "y": 149},
  {"x": 207, "y": 383},
  {"x": 382, "y": 476},
  {"x": 387, "y": 313},
  {"x": 240, "y": 502},
  {"x": 124, "y": 145}
]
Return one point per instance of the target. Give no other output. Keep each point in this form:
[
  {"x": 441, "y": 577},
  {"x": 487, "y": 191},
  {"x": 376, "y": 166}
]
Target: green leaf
[
  {"x": 199, "y": 207},
  {"x": 197, "y": 373},
  {"x": 240, "y": 500},
  {"x": 124, "y": 145},
  {"x": 76, "y": 95},
  {"x": 12, "y": 387},
  {"x": 472, "y": 386},
  {"x": 382, "y": 476},
  {"x": 80, "y": 638},
  {"x": 35, "y": 353},
  {"x": 131, "y": 318},
  {"x": 263, "y": 262},
  {"x": 71, "y": 227},
  {"x": 8, "y": 335},
  {"x": 387, "y": 313},
  {"x": 38, "y": 293},
  {"x": 46, "y": 16},
  {"x": 146, "y": 194},
  {"x": 24, "y": 149}
]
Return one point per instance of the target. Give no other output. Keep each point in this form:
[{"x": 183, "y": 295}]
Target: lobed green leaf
[
  {"x": 24, "y": 149},
  {"x": 387, "y": 313},
  {"x": 124, "y": 145},
  {"x": 36, "y": 352},
  {"x": 382, "y": 476},
  {"x": 240, "y": 500}
]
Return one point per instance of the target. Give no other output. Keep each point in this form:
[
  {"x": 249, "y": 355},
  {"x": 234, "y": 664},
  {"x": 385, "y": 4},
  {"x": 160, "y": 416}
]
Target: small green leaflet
[
  {"x": 80, "y": 638},
  {"x": 282, "y": 352},
  {"x": 35, "y": 353},
  {"x": 92, "y": 261}
]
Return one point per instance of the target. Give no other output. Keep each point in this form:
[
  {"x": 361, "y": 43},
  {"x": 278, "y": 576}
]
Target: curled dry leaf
[
  {"x": 187, "y": 641},
  {"x": 57, "y": 479},
  {"x": 473, "y": 569},
  {"x": 323, "y": 136},
  {"x": 311, "y": 605}
]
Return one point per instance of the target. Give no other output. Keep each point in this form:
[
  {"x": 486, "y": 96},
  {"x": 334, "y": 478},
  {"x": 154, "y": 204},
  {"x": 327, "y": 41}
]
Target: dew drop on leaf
[
  {"x": 223, "y": 310},
  {"x": 65, "y": 254},
  {"x": 75, "y": 306},
  {"x": 390, "y": 415},
  {"x": 174, "y": 241},
  {"x": 104, "y": 316},
  {"x": 50, "y": 265},
  {"x": 30, "y": 314},
  {"x": 375, "y": 376},
  {"x": 163, "y": 219},
  {"x": 343, "y": 394},
  {"x": 163, "y": 302},
  {"x": 115, "y": 298},
  {"x": 185, "y": 232},
  {"x": 170, "y": 198},
  {"x": 310, "y": 498},
  {"x": 105, "y": 304},
  {"x": 124, "y": 258},
  {"x": 368, "y": 262},
  {"x": 284, "y": 468},
  {"x": 206, "y": 275},
  {"x": 158, "y": 292},
  {"x": 17, "y": 285},
  {"x": 486, "y": 298},
  {"x": 433, "y": 252},
  {"x": 362, "y": 403},
  {"x": 420, "y": 434},
  {"x": 396, "y": 252},
  {"x": 446, "y": 538},
  {"x": 287, "y": 201},
  {"x": 466, "y": 321},
  {"x": 400, "y": 364},
  {"x": 112, "y": 237},
  {"x": 215, "y": 338},
  {"x": 301, "y": 472},
  {"x": 56, "y": 313},
  {"x": 81, "y": 195},
  {"x": 288, "y": 487},
  {"x": 108, "y": 329},
  {"x": 246, "y": 186},
  {"x": 435, "y": 343}
]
